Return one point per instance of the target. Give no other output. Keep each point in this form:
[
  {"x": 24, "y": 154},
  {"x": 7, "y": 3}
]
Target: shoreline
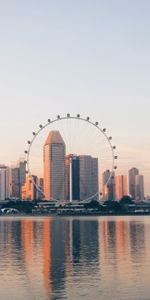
[{"x": 96, "y": 214}]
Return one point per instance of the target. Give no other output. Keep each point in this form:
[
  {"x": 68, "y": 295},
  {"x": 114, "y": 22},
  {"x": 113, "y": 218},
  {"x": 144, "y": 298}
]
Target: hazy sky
[{"x": 88, "y": 57}]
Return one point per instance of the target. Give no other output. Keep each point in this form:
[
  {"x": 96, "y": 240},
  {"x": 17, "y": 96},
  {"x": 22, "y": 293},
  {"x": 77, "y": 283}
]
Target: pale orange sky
[{"x": 80, "y": 57}]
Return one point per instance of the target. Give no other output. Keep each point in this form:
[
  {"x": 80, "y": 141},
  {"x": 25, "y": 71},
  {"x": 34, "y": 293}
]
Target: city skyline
[
  {"x": 52, "y": 137},
  {"x": 17, "y": 176},
  {"x": 64, "y": 178},
  {"x": 15, "y": 183},
  {"x": 124, "y": 163}
]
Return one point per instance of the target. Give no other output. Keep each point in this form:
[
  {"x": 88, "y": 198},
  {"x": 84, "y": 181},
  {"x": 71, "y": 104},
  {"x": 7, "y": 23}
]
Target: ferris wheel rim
[{"x": 77, "y": 117}]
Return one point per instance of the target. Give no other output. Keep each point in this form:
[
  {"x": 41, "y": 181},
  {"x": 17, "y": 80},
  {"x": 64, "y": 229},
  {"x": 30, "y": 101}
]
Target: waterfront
[{"x": 75, "y": 258}]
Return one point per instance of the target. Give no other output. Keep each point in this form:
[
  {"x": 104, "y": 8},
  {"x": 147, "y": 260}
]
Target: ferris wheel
[{"x": 82, "y": 137}]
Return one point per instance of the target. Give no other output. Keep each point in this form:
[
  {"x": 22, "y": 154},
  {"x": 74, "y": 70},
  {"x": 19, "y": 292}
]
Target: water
[{"x": 75, "y": 258}]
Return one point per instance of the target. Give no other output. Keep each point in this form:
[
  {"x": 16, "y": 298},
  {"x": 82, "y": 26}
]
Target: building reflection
[
  {"x": 48, "y": 250},
  {"x": 45, "y": 256},
  {"x": 123, "y": 245},
  {"x": 85, "y": 241},
  {"x": 67, "y": 245},
  {"x": 27, "y": 240},
  {"x": 109, "y": 237},
  {"x": 122, "y": 238},
  {"x": 116, "y": 247},
  {"x": 59, "y": 232},
  {"x": 137, "y": 241}
]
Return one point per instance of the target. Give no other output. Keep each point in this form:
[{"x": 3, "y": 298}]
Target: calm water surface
[{"x": 75, "y": 258}]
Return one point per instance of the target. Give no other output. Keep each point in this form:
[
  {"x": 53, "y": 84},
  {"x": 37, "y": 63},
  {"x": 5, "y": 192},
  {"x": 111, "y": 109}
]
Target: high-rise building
[
  {"x": 7, "y": 183},
  {"x": 22, "y": 173},
  {"x": 84, "y": 169},
  {"x": 54, "y": 167},
  {"x": 29, "y": 189},
  {"x": 132, "y": 174},
  {"x": 40, "y": 188},
  {"x": 75, "y": 166},
  {"x": 95, "y": 178},
  {"x": 121, "y": 186},
  {"x": 4, "y": 182},
  {"x": 106, "y": 176},
  {"x": 89, "y": 183},
  {"x": 17, "y": 179},
  {"x": 14, "y": 182},
  {"x": 139, "y": 187},
  {"x": 108, "y": 186}
]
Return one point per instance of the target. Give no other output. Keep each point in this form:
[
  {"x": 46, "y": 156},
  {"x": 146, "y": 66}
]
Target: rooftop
[{"x": 54, "y": 137}]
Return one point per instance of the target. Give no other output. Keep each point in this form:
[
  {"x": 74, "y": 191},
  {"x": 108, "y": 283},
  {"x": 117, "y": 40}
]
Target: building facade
[
  {"x": 75, "y": 170},
  {"x": 121, "y": 186},
  {"x": 40, "y": 188},
  {"x": 29, "y": 189},
  {"x": 4, "y": 183},
  {"x": 85, "y": 179},
  {"x": 17, "y": 179},
  {"x": 88, "y": 177},
  {"x": 139, "y": 187},
  {"x": 109, "y": 186},
  {"x": 132, "y": 186},
  {"x": 54, "y": 167}
]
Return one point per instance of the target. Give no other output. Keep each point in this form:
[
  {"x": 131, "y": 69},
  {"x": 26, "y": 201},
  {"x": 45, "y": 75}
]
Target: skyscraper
[
  {"x": 75, "y": 165},
  {"x": 17, "y": 179},
  {"x": 29, "y": 190},
  {"x": 40, "y": 188},
  {"x": 84, "y": 177},
  {"x": 139, "y": 187},
  {"x": 108, "y": 187},
  {"x": 54, "y": 167},
  {"x": 121, "y": 186},
  {"x": 4, "y": 182},
  {"x": 132, "y": 174},
  {"x": 106, "y": 176},
  {"x": 22, "y": 173},
  {"x": 89, "y": 182},
  {"x": 14, "y": 182}
]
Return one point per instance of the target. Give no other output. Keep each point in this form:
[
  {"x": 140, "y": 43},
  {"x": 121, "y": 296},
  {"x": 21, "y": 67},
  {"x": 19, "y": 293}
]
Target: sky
[{"x": 89, "y": 57}]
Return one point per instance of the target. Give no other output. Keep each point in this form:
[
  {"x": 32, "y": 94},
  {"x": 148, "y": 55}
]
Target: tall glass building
[
  {"x": 132, "y": 185},
  {"x": 54, "y": 167},
  {"x": 85, "y": 179}
]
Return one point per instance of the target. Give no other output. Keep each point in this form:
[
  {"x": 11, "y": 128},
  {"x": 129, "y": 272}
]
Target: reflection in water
[
  {"x": 137, "y": 240},
  {"x": 116, "y": 239},
  {"x": 85, "y": 241},
  {"x": 47, "y": 255},
  {"x": 73, "y": 258},
  {"x": 59, "y": 241}
]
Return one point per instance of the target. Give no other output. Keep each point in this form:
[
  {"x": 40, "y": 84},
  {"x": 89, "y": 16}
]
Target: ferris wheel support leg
[{"x": 70, "y": 181}]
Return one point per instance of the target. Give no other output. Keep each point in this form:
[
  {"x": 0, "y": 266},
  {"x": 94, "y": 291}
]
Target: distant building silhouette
[
  {"x": 139, "y": 187},
  {"x": 17, "y": 179},
  {"x": 4, "y": 182},
  {"x": 88, "y": 177},
  {"x": 121, "y": 186},
  {"x": 40, "y": 188},
  {"x": 132, "y": 189},
  {"x": 108, "y": 187},
  {"x": 29, "y": 190}
]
